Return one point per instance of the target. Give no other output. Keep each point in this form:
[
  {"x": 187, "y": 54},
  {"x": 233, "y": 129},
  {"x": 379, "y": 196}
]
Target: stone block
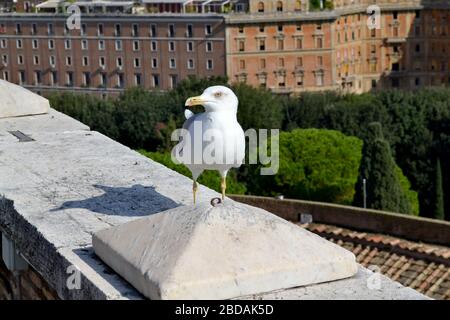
[
  {"x": 226, "y": 251},
  {"x": 17, "y": 101}
]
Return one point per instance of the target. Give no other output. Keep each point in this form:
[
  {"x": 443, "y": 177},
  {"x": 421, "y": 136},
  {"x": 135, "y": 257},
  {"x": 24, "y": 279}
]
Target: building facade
[
  {"x": 110, "y": 52},
  {"x": 291, "y": 46},
  {"x": 285, "y": 46}
]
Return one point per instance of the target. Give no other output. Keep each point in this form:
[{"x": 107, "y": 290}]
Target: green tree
[
  {"x": 258, "y": 107},
  {"x": 319, "y": 165},
  {"x": 439, "y": 212},
  {"x": 383, "y": 189}
]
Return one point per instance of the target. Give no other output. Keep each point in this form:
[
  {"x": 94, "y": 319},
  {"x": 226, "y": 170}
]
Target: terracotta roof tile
[{"x": 421, "y": 266}]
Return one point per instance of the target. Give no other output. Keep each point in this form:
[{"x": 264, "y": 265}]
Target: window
[
  {"x": 69, "y": 79},
  {"x": 319, "y": 61},
  {"x": 22, "y": 77},
  {"x": 68, "y": 61},
  {"x": 118, "y": 45},
  {"x": 100, "y": 29},
  {"x": 171, "y": 31},
  {"x": 299, "y": 27},
  {"x": 280, "y": 28},
  {"x": 51, "y": 44},
  {"x": 173, "y": 80},
  {"x": 85, "y": 61},
  {"x": 37, "y": 77},
  {"x": 52, "y": 61},
  {"x": 172, "y": 63},
  {"x": 298, "y": 5},
  {"x": 242, "y": 64},
  {"x": 260, "y": 6},
  {"x": 119, "y": 62},
  {"x": 137, "y": 62},
  {"x": 153, "y": 46},
  {"x": 281, "y": 62},
  {"x": 84, "y": 44},
  {"x": 20, "y": 59},
  {"x": 279, "y": 6},
  {"x": 53, "y": 78},
  {"x": 241, "y": 29},
  {"x": 137, "y": 79},
  {"x": 319, "y": 43},
  {"x": 299, "y": 43},
  {"x": 4, "y": 59},
  {"x": 209, "y": 64},
  {"x": 83, "y": 29},
  {"x": 373, "y": 33},
  {"x": 190, "y": 46},
  {"x": 189, "y": 31},
  {"x": 136, "y": 45},
  {"x": 101, "y": 45},
  {"x": 103, "y": 80},
  {"x": 374, "y": 84},
  {"x": 18, "y": 28},
  {"x": 6, "y": 75},
  {"x": 50, "y": 30},
  {"x": 395, "y": 15},
  {"x": 33, "y": 28},
  {"x": 208, "y": 30},
  {"x": 67, "y": 44},
  {"x": 35, "y": 60},
  {"x": 209, "y": 46},
  {"x": 154, "y": 63},
  {"x": 261, "y": 28},
  {"x": 3, "y": 43},
  {"x": 171, "y": 46},
  {"x": 262, "y": 63},
  {"x": 155, "y": 80},
  {"x": 101, "y": 62},
  {"x": 319, "y": 79},
  {"x": 86, "y": 79},
  {"x": 153, "y": 30},
  {"x": 318, "y": 27},
  {"x": 417, "y": 82},
  {"x": 280, "y": 44},
  {"x": 135, "y": 30},
  {"x": 262, "y": 45},
  {"x": 241, "y": 45},
  {"x": 34, "y": 44},
  {"x": 117, "y": 30},
  {"x": 190, "y": 64},
  {"x": 120, "y": 80},
  {"x": 19, "y": 43}
]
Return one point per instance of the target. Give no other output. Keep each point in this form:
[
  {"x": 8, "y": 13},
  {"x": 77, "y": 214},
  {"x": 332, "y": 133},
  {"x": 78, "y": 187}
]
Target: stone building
[
  {"x": 110, "y": 52},
  {"x": 290, "y": 46},
  {"x": 285, "y": 46}
]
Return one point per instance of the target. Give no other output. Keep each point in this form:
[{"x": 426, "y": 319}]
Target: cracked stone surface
[{"x": 70, "y": 182}]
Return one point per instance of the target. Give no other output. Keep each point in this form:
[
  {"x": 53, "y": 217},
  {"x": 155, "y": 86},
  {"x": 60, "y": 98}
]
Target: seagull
[{"x": 214, "y": 139}]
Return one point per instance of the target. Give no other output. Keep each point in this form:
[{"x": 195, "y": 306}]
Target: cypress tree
[
  {"x": 383, "y": 189},
  {"x": 439, "y": 212}
]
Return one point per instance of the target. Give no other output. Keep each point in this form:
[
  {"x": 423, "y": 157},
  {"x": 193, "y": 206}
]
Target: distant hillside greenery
[{"x": 315, "y": 164}]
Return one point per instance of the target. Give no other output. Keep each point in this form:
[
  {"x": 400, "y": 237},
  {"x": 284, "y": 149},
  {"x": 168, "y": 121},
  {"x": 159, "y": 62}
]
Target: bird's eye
[{"x": 218, "y": 94}]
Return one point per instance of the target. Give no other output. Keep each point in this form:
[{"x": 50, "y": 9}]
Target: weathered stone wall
[{"x": 26, "y": 285}]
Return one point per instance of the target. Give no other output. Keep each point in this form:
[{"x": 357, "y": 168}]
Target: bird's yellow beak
[{"x": 194, "y": 101}]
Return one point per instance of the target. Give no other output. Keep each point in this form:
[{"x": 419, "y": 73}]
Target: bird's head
[{"x": 216, "y": 98}]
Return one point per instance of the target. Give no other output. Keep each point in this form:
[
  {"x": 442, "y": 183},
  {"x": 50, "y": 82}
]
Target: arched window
[
  {"x": 279, "y": 6},
  {"x": 261, "y": 6},
  {"x": 298, "y": 5}
]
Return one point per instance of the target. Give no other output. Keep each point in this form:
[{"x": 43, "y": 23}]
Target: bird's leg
[
  {"x": 194, "y": 189},
  {"x": 223, "y": 186}
]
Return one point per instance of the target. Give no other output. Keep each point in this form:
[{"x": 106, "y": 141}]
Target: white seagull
[{"x": 212, "y": 140}]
